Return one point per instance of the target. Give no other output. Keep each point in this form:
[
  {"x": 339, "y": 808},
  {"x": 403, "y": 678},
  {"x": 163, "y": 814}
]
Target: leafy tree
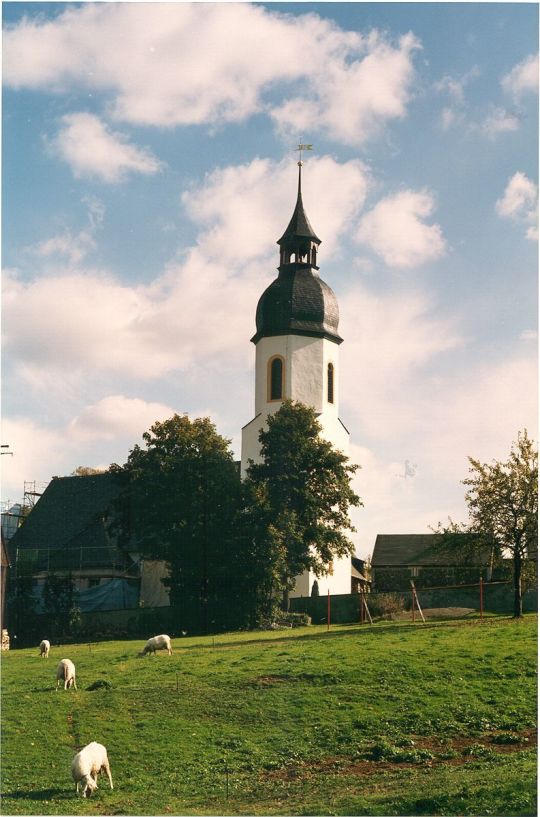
[
  {"x": 298, "y": 500},
  {"x": 58, "y": 594},
  {"x": 21, "y": 603},
  {"x": 181, "y": 499},
  {"x": 315, "y": 588},
  {"x": 86, "y": 471},
  {"x": 502, "y": 499}
]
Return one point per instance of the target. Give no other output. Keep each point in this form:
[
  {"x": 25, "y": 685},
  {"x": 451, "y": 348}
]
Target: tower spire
[{"x": 299, "y": 242}]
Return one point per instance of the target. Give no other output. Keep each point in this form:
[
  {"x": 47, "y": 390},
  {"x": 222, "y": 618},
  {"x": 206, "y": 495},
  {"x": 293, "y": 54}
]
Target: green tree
[
  {"x": 21, "y": 605},
  {"x": 502, "y": 500},
  {"x": 179, "y": 505},
  {"x": 298, "y": 499},
  {"x": 86, "y": 471}
]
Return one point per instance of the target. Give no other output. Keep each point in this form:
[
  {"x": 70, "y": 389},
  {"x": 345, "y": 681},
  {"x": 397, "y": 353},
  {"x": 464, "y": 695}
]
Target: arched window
[
  {"x": 276, "y": 376},
  {"x": 330, "y": 382}
]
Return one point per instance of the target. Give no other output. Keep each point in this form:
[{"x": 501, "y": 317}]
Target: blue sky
[{"x": 148, "y": 170}]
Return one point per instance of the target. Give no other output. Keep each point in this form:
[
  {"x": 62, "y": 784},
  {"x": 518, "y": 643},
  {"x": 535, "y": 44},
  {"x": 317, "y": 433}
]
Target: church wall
[
  {"x": 306, "y": 363},
  {"x": 334, "y": 432},
  {"x": 339, "y": 581},
  {"x": 250, "y": 443}
]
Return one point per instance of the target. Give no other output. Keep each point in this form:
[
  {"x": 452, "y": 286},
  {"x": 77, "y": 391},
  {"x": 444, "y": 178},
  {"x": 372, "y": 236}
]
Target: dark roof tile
[{"x": 396, "y": 549}]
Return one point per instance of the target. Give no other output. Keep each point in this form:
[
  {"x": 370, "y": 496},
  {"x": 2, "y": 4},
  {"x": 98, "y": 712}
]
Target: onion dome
[{"x": 298, "y": 302}]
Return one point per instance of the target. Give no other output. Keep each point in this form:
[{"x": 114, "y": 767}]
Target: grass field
[{"x": 397, "y": 719}]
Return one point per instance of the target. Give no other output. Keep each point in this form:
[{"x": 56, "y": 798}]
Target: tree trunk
[
  {"x": 518, "y": 597},
  {"x": 285, "y": 601}
]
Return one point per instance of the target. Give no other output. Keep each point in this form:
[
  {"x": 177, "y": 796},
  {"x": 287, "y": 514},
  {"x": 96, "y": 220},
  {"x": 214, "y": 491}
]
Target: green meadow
[{"x": 394, "y": 719}]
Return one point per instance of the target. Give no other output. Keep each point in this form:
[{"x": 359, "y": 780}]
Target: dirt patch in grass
[
  {"x": 526, "y": 739},
  {"x": 465, "y": 749},
  {"x": 270, "y": 680}
]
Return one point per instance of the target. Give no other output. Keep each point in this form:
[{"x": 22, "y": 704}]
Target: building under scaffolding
[{"x": 66, "y": 536}]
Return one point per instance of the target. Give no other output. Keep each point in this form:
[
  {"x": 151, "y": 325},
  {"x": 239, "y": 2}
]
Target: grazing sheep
[
  {"x": 86, "y": 766},
  {"x": 66, "y": 672},
  {"x": 44, "y": 648},
  {"x": 158, "y": 642}
]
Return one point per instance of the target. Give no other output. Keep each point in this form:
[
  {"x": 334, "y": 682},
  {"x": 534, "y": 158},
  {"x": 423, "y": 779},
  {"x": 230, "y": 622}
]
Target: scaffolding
[{"x": 105, "y": 561}]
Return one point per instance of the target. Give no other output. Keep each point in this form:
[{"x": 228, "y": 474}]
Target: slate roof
[
  {"x": 355, "y": 574},
  {"x": 69, "y": 514},
  {"x": 415, "y": 549},
  {"x": 298, "y": 302},
  {"x": 299, "y": 226}
]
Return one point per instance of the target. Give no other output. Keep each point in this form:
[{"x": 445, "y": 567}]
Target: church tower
[{"x": 297, "y": 358}]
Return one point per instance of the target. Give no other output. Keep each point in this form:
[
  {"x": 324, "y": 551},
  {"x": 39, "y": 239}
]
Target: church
[{"x": 297, "y": 358}]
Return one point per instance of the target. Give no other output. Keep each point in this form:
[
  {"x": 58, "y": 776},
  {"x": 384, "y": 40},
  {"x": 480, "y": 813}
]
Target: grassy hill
[{"x": 394, "y": 719}]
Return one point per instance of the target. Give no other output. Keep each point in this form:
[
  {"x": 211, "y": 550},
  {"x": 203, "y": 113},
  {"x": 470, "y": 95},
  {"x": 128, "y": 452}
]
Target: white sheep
[
  {"x": 44, "y": 648},
  {"x": 86, "y": 766},
  {"x": 66, "y": 672},
  {"x": 158, "y": 642}
]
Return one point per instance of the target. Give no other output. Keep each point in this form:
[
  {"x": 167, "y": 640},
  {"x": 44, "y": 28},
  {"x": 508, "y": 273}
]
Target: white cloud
[
  {"x": 349, "y": 101},
  {"x": 93, "y": 151},
  {"x": 395, "y": 230},
  {"x": 117, "y": 416},
  {"x": 193, "y": 63},
  {"x": 523, "y": 78},
  {"x": 499, "y": 120},
  {"x": 529, "y": 334},
  {"x": 520, "y": 203},
  {"x": 454, "y": 88},
  {"x": 404, "y": 403},
  {"x": 396, "y": 339},
  {"x": 73, "y": 247},
  {"x": 97, "y": 435},
  {"x": 243, "y": 210},
  {"x": 449, "y": 117},
  {"x": 476, "y": 413},
  {"x": 201, "y": 309}
]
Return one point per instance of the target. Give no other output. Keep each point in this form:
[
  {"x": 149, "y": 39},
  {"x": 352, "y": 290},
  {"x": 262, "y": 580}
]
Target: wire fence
[{"x": 416, "y": 604}]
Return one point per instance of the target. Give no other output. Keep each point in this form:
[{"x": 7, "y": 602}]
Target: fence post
[
  {"x": 481, "y": 599},
  {"x": 328, "y": 612}
]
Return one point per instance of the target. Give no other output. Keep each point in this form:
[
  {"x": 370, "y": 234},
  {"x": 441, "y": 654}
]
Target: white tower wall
[{"x": 305, "y": 361}]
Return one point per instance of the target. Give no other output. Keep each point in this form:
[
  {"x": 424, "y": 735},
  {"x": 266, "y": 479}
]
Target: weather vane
[{"x": 300, "y": 150}]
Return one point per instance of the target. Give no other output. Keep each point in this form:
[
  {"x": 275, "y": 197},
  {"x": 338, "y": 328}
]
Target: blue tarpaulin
[{"x": 115, "y": 594}]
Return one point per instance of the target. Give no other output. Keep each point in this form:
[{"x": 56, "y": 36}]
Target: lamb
[
  {"x": 86, "y": 766},
  {"x": 158, "y": 642},
  {"x": 66, "y": 672},
  {"x": 44, "y": 648}
]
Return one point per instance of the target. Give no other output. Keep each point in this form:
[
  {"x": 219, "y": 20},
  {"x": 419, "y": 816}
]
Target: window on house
[
  {"x": 276, "y": 371},
  {"x": 415, "y": 572},
  {"x": 330, "y": 378}
]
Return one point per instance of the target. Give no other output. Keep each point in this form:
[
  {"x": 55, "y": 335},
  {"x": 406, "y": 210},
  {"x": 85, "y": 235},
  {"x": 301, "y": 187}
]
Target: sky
[{"x": 149, "y": 168}]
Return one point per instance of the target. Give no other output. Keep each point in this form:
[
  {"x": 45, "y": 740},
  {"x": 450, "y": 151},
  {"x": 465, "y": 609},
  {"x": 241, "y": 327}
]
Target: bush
[
  {"x": 382, "y": 750},
  {"x": 386, "y": 606},
  {"x": 289, "y": 620}
]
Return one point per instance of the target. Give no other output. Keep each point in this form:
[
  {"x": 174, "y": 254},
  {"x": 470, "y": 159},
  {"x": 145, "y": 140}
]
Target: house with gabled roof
[
  {"x": 398, "y": 558},
  {"x": 67, "y": 535}
]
